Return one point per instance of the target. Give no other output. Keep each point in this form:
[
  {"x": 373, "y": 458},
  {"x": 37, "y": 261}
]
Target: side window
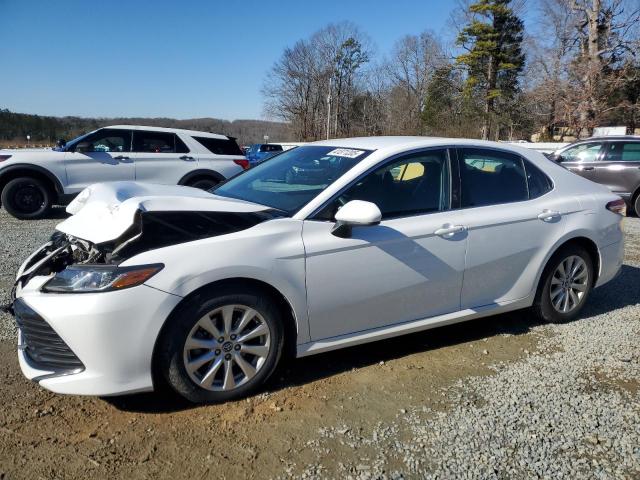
[
  {"x": 419, "y": 183},
  {"x": 153, "y": 142},
  {"x": 489, "y": 177},
  {"x": 180, "y": 145},
  {"x": 219, "y": 146},
  {"x": 586, "y": 152},
  {"x": 270, "y": 148},
  {"x": 538, "y": 182},
  {"x": 623, "y": 152},
  {"x": 109, "y": 141}
]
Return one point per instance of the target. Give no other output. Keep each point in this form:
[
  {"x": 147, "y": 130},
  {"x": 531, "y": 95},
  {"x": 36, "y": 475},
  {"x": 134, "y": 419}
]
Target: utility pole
[{"x": 329, "y": 110}]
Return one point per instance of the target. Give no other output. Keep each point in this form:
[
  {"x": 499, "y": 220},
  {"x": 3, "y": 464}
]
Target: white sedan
[{"x": 328, "y": 245}]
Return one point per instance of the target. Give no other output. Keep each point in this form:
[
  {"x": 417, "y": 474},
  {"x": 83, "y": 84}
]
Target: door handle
[
  {"x": 587, "y": 169},
  {"x": 549, "y": 215},
  {"x": 186, "y": 157},
  {"x": 121, "y": 157},
  {"x": 449, "y": 230}
]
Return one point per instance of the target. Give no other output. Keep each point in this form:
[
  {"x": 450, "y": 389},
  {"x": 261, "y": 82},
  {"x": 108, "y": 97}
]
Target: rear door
[
  {"x": 619, "y": 168},
  {"x": 220, "y": 156},
  {"x": 103, "y": 156},
  {"x": 161, "y": 157},
  {"x": 513, "y": 218}
]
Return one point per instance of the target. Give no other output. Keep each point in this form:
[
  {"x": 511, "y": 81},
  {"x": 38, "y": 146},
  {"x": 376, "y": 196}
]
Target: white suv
[{"x": 32, "y": 180}]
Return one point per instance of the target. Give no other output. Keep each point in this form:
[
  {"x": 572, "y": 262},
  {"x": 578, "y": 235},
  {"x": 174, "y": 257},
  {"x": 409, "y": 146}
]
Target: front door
[
  {"x": 103, "y": 156},
  {"x": 583, "y": 159},
  {"x": 408, "y": 267}
]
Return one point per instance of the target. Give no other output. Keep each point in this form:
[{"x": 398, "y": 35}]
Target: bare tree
[
  {"x": 298, "y": 84},
  {"x": 605, "y": 35},
  {"x": 413, "y": 62}
]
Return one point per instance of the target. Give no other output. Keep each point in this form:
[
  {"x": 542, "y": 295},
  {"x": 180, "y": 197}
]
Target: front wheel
[
  {"x": 221, "y": 348},
  {"x": 566, "y": 284},
  {"x": 26, "y": 198},
  {"x": 636, "y": 206}
]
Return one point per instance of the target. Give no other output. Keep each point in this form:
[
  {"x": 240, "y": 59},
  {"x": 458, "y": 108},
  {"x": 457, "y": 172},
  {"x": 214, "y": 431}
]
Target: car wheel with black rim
[
  {"x": 565, "y": 285},
  {"x": 26, "y": 198},
  {"x": 221, "y": 348},
  {"x": 204, "y": 183}
]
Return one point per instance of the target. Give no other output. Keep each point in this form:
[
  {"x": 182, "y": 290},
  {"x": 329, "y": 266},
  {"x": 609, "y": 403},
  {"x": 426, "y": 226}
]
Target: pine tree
[{"x": 493, "y": 58}]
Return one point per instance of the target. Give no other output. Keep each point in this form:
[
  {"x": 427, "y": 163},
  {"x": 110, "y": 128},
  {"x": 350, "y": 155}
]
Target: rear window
[
  {"x": 271, "y": 148},
  {"x": 157, "y": 142},
  {"x": 220, "y": 146}
]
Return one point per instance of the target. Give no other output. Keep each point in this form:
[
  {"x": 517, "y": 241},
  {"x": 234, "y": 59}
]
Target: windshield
[{"x": 291, "y": 179}]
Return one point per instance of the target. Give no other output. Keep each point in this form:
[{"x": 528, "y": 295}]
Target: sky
[{"x": 180, "y": 59}]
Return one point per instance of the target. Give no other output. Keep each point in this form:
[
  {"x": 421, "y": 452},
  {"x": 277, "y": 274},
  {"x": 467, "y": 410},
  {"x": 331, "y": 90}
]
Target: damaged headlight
[{"x": 99, "y": 278}]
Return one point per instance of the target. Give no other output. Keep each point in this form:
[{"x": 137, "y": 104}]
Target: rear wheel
[
  {"x": 204, "y": 183},
  {"x": 26, "y": 198},
  {"x": 221, "y": 348},
  {"x": 636, "y": 206},
  {"x": 566, "y": 284}
]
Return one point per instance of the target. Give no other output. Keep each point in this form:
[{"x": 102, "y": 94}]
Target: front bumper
[{"x": 112, "y": 334}]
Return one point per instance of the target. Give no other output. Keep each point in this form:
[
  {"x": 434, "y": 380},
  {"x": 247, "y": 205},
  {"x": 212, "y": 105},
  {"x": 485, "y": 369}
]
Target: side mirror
[
  {"x": 356, "y": 213},
  {"x": 61, "y": 143},
  {"x": 83, "y": 147}
]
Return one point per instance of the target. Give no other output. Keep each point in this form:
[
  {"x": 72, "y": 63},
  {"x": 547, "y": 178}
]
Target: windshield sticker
[{"x": 345, "y": 152}]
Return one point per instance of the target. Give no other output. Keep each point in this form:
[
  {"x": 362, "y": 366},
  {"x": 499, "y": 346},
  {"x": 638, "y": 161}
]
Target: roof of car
[
  {"x": 172, "y": 130},
  {"x": 609, "y": 137},
  {"x": 389, "y": 142}
]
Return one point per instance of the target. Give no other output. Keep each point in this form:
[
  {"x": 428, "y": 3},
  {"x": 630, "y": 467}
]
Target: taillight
[
  {"x": 4, "y": 157},
  {"x": 243, "y": 162},
  {"x": 618, "y": 206}
]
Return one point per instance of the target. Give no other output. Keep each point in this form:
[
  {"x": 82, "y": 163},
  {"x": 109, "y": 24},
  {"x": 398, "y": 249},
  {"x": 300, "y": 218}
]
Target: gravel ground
[
  {"x": 18, "y": 239},
  {"x": 572, "y": 410},
  {"x": 502, "y": 397}
]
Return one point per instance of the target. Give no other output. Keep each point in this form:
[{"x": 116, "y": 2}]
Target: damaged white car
[{"x": 325, "y": 246}]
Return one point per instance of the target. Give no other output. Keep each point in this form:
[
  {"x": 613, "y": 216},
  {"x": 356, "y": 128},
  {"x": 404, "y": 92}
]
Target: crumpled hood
[{"x": 103, "y": 212}]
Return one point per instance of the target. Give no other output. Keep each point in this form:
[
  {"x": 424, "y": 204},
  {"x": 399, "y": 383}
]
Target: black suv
[{"x": 611, "y": 161}]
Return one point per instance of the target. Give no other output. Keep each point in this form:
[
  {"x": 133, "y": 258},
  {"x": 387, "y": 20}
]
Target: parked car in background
[
  {"x": 261, "y": 151},
  {"x": 613, "y": 161},
  {"x": 31, "y": 181},
  {"x": 206, "y": 291}
]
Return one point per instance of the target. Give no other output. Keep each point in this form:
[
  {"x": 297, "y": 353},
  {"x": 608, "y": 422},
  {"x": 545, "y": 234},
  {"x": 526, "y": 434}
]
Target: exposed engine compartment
[{"x": 149, "y": 231}]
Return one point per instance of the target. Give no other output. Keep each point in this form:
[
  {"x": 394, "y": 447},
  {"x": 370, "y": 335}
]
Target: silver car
[{"x": 611, "y": 161}]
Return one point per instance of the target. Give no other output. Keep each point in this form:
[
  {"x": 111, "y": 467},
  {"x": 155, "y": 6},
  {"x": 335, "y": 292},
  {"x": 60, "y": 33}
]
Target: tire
[
  {"x": 27, "y": 198},
  {"x": 204, "y": 183},
  {"x": 546, "y": 305},
  {"x": 636, "y": 205},
  {"x": 180, "y": 342}
]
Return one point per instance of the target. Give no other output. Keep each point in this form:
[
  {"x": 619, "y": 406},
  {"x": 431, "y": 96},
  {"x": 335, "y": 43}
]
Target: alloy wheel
[
  {"x": 569, "y": 284},
  {"x": 226, "y": 348}
]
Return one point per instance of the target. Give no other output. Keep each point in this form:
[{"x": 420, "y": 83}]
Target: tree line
[
  {"x": 576, "y": 69},
  {"x": 14, "y": 127}
]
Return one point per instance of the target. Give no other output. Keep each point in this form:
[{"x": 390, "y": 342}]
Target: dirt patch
[{"x": 151, "y": 435}]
